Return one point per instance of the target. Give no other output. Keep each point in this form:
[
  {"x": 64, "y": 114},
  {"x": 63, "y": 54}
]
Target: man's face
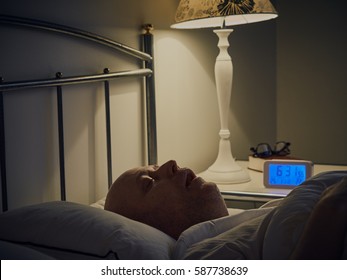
[{"x": 166, "y": 197}]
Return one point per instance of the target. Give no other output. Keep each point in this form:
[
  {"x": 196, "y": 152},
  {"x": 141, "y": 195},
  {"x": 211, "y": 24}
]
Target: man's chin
[
  {"x": 200, "y": 184},
  {"x": 210, "y": 186}
]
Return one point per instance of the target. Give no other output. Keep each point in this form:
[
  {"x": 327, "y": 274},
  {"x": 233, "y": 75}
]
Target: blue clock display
[
  {"x": 284, "y": 173},
  {"x": 287, "y": 175}
]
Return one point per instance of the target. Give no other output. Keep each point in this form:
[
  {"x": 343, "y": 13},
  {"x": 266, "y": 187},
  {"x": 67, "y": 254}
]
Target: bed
[{"x": 68, "y": 230}]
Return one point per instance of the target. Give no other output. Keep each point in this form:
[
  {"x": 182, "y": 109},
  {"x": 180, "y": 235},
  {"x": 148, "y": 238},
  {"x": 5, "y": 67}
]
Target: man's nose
[{"x": 168, "y": 169}]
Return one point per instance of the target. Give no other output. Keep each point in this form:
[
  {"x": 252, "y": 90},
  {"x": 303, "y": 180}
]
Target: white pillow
[
  {"x": 99, "y": 204},
  {"x": 84, "y": 229}
]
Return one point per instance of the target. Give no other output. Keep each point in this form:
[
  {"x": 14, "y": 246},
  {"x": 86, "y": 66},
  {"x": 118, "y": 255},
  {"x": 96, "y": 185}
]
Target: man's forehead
[{"x": 138, "y": 171}]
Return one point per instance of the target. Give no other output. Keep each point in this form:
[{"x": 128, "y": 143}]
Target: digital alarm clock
[{"x": 286, "y": 173}]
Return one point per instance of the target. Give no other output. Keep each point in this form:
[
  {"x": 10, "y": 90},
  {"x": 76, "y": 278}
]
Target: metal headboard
[{"x": 59, "y": 81}]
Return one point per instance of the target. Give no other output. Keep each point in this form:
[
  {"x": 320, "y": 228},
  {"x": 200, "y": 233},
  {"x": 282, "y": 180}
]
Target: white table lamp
[{"x": 221, "y": 13}]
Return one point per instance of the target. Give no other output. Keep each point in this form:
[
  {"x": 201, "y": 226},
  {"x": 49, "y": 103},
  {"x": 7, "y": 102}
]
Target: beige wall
[
  {"x": 311, "y": 79},
  {"x": 276, "y": 63}
]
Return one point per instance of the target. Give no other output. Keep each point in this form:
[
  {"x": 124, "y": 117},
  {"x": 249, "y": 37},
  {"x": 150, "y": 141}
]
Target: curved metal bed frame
[
  {"x": 147, "y": 72},
  {"x": 38, "y": 24}
]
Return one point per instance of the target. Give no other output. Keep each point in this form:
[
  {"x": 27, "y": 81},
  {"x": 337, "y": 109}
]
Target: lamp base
[{"x": 225, "y": 170}]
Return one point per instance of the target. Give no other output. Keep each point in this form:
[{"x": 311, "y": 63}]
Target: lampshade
[{"x": 219, "y": 13}]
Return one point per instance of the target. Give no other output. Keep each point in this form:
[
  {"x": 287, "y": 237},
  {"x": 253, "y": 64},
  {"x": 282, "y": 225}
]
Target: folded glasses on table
[{"x": 264, "y": 150}]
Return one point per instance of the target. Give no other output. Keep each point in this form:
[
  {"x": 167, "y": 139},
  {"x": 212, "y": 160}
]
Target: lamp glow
[{"x": 192, "y": 14}]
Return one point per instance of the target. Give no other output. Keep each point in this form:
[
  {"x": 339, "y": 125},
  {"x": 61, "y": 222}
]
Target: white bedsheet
[{"x": 273, "y": 235}]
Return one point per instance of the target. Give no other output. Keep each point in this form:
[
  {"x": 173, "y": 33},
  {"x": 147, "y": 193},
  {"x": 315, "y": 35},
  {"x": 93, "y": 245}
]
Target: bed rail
[
  {"x": 44, "y": 25},
  {"x": 59, "y": 81},
  {"x": 150, "y": 97}
]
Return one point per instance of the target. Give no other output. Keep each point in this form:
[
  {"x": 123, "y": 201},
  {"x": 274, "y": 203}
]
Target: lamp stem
[{"x": 224, "y": 170}]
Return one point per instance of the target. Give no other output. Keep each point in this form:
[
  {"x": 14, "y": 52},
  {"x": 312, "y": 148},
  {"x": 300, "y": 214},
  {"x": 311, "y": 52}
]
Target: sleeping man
[
  {"x": 173, "y": 199},
  {"x": 168, "y": 198}
]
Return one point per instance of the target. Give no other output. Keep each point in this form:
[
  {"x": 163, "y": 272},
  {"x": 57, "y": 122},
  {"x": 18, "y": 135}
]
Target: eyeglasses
[{"x": 264, "y": 150}]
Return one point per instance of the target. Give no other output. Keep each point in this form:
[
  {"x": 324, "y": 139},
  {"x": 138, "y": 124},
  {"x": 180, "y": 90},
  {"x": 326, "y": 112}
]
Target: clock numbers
[
  {"x": 287, "y": 174},
  {"x": 283, "y": 170}
]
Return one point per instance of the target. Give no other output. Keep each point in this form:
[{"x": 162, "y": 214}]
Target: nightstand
[{"x": 253, "y": 194}]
